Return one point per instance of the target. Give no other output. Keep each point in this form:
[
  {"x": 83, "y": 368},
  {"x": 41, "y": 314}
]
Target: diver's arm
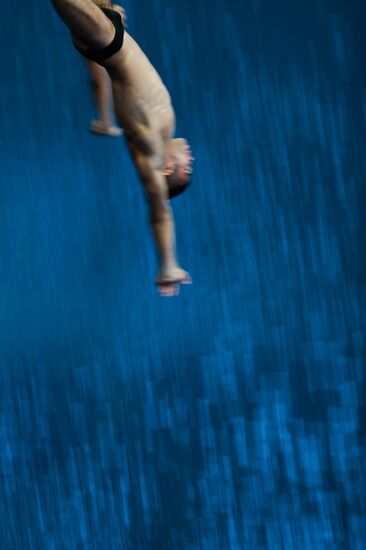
[{"x": 161, "y": 217}]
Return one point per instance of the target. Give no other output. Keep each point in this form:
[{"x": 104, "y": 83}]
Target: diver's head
[{"x": 178, "y": 166}]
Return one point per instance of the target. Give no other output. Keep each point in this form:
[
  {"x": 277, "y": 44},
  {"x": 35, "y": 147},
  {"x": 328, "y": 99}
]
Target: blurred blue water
[{"x": 233, "y": 416}]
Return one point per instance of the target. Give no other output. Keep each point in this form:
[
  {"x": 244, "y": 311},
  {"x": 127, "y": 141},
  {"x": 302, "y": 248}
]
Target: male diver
[{"x": 143, "y": 109}]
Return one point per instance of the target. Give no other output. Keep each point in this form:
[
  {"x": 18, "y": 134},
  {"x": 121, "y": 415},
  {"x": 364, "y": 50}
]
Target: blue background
[{"x": 234, "y": 415}]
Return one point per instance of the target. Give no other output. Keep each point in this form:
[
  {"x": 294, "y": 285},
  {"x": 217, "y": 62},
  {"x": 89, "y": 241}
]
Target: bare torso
[{"x": 142, "y": 103}]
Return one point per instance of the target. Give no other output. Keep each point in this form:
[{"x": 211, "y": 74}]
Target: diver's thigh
[{"x": 89, "y": 26}]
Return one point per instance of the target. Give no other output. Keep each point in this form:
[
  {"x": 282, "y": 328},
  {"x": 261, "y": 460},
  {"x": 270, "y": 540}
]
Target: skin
[
  {"x": 102, "y": 91},
  {"x": 144, "y": 110}
]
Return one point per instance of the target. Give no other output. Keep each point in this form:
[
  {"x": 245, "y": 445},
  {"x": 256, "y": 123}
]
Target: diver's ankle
[{"x": 168, "y": 266}]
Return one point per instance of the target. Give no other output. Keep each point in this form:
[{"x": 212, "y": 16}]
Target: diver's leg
[
  {"x": 87, "y": 23},
  {"x": 102, "y": 91}
]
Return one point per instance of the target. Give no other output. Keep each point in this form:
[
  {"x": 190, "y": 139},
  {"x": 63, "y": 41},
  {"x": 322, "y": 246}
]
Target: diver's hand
[{"x": 169, "y": 279}]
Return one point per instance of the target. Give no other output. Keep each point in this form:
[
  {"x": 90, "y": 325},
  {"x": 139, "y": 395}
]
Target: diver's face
[
  {"x": 182, "y": 175},
  {"x": 182, "y": 158},
  {"x": 178, "y": 168}
]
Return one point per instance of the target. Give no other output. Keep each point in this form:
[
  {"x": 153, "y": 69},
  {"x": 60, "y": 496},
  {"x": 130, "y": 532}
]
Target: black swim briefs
[{"x": 103, "y": 54}]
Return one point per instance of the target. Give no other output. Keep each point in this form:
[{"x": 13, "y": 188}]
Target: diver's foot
[
  {"x": 102, "y": 129},
  {"x": 168, "y": 281}
]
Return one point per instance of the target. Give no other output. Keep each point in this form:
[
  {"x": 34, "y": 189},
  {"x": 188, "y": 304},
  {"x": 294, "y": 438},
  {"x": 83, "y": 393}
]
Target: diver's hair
[
  {"x": 175, "y": 185},
  {"x": 176, "y": 190}
]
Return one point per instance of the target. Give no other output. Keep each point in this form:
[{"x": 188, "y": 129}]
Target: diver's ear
[{"x": 168, "y": 168}]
